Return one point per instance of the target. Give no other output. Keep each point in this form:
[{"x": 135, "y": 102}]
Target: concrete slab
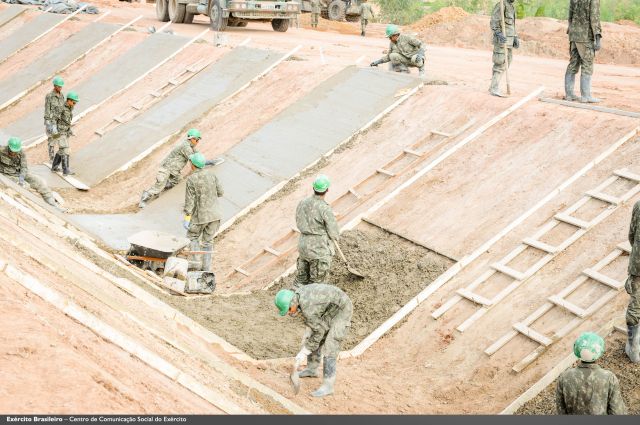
[
  {"x": 11, "y": 12},
  {"x": 13, "y": 87},
  {"x": 53, "y": 180},
  {"x": 116, "y": 76},
  {"x": 295, "y": 139},
  {"x": 168, "y": 117},
  {"x": 20, "y": 38}
]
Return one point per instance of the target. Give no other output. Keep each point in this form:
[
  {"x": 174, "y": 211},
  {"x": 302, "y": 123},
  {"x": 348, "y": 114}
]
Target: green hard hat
[
  {"x": 73, "y": 96},
  {"x": 58, "y": 81},
  {"x": 15, "y": 144},
  {"x": 283, "y": 300},
  {"x": 198, "y": 159},
  {"x": 321, "y": 183},
  {"x": 588, "y": 347},
  {"x": 392, "y": 30},
  {"x": 193, "y": 133}
]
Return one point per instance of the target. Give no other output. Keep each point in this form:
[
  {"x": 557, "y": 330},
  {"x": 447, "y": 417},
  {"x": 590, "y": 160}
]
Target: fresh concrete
[
  {"x": 9, "y": 13},
  {"x": 33, "y": 29}
]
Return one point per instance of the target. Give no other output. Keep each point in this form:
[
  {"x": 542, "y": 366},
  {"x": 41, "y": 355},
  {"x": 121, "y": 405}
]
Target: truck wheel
[
  {"x": 280, "y": 25},
  {"x": 162, "y": 10},
  {"x": 177, "y": 11},
  {"x": 188, "y": 18},
  {"x": 218, "y": 23},
  {"x": 336, "y": 10}
]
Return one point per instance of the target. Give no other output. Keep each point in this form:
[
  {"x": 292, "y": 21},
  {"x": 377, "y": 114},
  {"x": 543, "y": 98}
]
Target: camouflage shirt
[
  {"x": 13, "y": 166},
  {"x": 64, "y": 120},
  {"x": 634, "y": 240},
  {"x": 53, "y": 104},
  {"x": 315, "y": 6},
  {"x": 589, "y": 390},
  {"x": 178, "y": 157},
  {"x": 509, "y": 22},
  {"x": 201, "y": 196},
  {"x": 584, "y": 20},
  {"x": 319, "y": 304},
  {"x": 317, "y": 226},
  {"x": 365, "y": 11},
  {"x": 406, "y": 45}
]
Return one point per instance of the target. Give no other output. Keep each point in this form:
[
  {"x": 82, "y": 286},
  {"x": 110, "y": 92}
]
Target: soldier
[
  {"x": 584, "y": 40},
  {"x": 63, "y": 124},
  {"x": 404, "y": 51},
  {"x": 13, "y": 163},
  {"x": 508, "y": 40},
  {"x": 318, "y": 227},
  {"x": 632, "y": 286},
  {"x": 588, "y": 389},
  {"x": 366, "y": 14},
  {"x": 315, "y": 13},
  {"x": 53, "y": 103},
  {"x": 326, "y": 311},
  {"x": 201, "y": 210}
]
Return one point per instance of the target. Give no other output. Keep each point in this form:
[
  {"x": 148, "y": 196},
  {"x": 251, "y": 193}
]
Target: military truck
[
  {"x": 230, "y": 13},
  {"x": 336, "y": 10}
]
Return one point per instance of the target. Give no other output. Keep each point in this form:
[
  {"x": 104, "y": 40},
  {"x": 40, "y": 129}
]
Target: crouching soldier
[{"x": 404, "y": 51}]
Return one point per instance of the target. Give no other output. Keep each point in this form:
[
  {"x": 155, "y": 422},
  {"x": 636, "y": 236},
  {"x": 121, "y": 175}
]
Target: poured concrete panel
[
  {"x": 54, "y": 60},
  {"x": 293, "y": 140},
  {"x": 53, "y": 180},
  {"x": 9, "y": 13},
  {"x": 28, "y": 32},
  {"x": 187, "y": 103}
]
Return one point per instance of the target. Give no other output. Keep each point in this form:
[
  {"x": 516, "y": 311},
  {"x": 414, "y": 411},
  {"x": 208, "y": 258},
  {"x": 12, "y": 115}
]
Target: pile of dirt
[
  {"x": 396, "y": 271},
  {"x": 616, "y": 361},
  {"x": 444, "y": 15},
  {"x": 327, "y": 25}
]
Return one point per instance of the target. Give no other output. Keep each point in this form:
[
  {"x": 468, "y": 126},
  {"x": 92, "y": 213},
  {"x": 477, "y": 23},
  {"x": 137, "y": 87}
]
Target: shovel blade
[
  {"x": 295, "y": 379},
  {"x": 355, "y": 272}
]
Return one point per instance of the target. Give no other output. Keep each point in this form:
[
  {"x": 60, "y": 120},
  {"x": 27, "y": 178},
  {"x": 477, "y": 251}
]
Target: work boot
[
  {"x": 632, "y": 348},
  {"x": 51, "y": 200},
  {"x": 313, "y": 361},
  {"x": 52, "y": 153},
  {"x": 65, "y": 166},
  {"x": 494, "y": 89},
  {"x": 421, "y": 72},
  {"x": 362, "y": 33},
  {"x": 569, "y": 84},
  {"x": 206, "y": 258},
  {"x": 143, "y": 199},
  {"x": 195, "y": 263},
  {"x": 328, "y": 378},
  {"x": 55, "y": 165},
  {"x": 585, "y": 90},
  {"x": 400, "y": 67}
]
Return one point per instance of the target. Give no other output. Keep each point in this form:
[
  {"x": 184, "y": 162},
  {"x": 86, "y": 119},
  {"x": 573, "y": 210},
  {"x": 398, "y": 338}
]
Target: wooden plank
[
  {"x": 412, "y": 152},
  {"x": 242, "y": 271},
  {"x": 529, "y": 359},
  {"x": 565, "y": 218},
  {"x": 501, "y": 342},
  {"x": 580, "y": 312},
  {"x": 385, "y": 172},
  {"x": 540, "y": 245},
  {"x": 69, "y": 179},
  {"x": 441, "y": 133},
  {"x": 591, "y": 107},
  {"x": 472, "y": 319},
  {"x": 446, "y": 306},
  {"x": 625, "y": 246},
  {"x": 624, "y": 173},
  {"x": 478, "y": 299},
  {"x": 508, "y": 271},
  {"x": 604, "y": 197},
  {"x": 272, "y": 251},
  {"x": 534, "y": 335},
  {"x": 606, "y": 280}
]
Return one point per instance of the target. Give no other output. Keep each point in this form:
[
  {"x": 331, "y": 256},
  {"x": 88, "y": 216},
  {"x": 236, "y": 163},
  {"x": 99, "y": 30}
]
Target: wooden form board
[{"x": 591, "y": 107}]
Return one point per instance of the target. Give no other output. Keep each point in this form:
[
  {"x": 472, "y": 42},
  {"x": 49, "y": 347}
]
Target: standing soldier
[
  {"x": 326, "y": 311},
  {"x": 315, "y": 13},
  {"x": 502, "y": 40},
  {"x": 53, "y": 103},
  {"x": 584, "y": 41},
  {"x": 63, "y": 124},
  {"x": 404, "y": 51},
  {"x": 201, "y": 210},
  {"x": 13, "y": 164},
  {"x": 318, "y": 228},
  {"x": 588, "y": 389},
  {"x": 366, "y": 14},
  {"x": 632, "y": 286}
]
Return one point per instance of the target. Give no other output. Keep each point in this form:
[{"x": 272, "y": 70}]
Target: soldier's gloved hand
[
  {"x": 302, "y": 355},
  {"x": 21, "y": 181},
  {"x": 597, "y": 45},
  {"x": 376, "y": 63},
  {"x": 215, "y": 161},
  {"x": 501, "y": 38},
  {"x": 186, "y": 222},
  {"x": 516, "y": 42},
  {"x": 54, "y": 129}
]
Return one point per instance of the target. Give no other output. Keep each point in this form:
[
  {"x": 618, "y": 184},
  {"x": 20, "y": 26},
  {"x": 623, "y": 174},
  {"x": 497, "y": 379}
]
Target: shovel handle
[{"x": 339, "y": 251}]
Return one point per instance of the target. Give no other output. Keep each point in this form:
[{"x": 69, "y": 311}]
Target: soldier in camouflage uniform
[
  {"x": 588, "y": 389},
  {"x": 404, "y": 51},
  {"x": 53, "y": 104},
  {"x": 326, "y": 311},
  {"x": 585, "y": 34},
  {"x": 63, "y": 124},
  {"x": 318, "y": 228},
  {"x": 366, "y": 14},
  {"x": 508, "y": 40},
  {"x": 632, "y": 286},
  {"x": 315, "y": 13},
  {"x": 13, "y": 164},
  {"x": 201, "y": 210}
]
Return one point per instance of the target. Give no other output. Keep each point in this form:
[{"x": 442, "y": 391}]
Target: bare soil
[{"x": 616, "y": 361}]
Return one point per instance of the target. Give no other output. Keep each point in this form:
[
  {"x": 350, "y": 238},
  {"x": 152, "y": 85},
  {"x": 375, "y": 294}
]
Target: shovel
[
  {"x": 295, "y": 378},
  {"x": 349, "y": 268}
]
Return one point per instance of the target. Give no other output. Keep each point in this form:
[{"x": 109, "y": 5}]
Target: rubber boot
[
  {"x": 569, "y": 85},
  {"x": 206, "y": 258},
  {"x": 143, "y": 199},
  {"x": 196, "y": 259},
  {"x": 585, "y": 90},
  {"x": 421, "y": 72},
  {"x": 362, "y": 33},
  {"x": 632, "y": 348},
  {"x": 55, "y": 165},
  {"x": 313, "y": 361},
  {"x": 400, "y": 67},
  {"x": 65, "y": 166},
  {"x": 328, "y": 378},
  {"x": 52, "y": 153},
  {"x": 494, "y": 89}
]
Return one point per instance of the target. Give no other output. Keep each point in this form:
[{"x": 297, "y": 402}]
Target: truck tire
[
  {"x": 188, "y": 18},
  {"x": 177, "y": 11},
  {"x": 162, "y": 10},
  {"x": 280, "y": 25},
  {"x": 218, "y": 23},
  {"x": 336, "y": 10}
]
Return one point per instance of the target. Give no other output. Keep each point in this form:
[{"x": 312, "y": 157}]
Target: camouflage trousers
[
  {"x": 582, "y": 55},
  {"x": 314, "y": 20},
  {"x": 164, "y": 179},
  {"x": 204, "y": 232},
  {"x": 332, "y": 340},
  {"x": 312, "y": 271},
  {"x": 63, "y": 143},
  {"x": 499, "y": 64},
  {"x": 36, "y": 183},
  {"x": 632, "y": 286},
  {"x": 363, "y": 24},
  {"x": 398, "y": 59}
]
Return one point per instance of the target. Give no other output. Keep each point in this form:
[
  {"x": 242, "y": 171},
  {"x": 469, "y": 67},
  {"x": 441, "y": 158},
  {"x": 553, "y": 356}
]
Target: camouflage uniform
[
  {"x": 315, "y": 13},
  {"x": 584, "y": 25},
  {"x": 53, "y": 104},
  {"x": 499, "y": 65},
  {"x": 318, "y": 227},
  {"x": 16, "y": 166},
  {"x": 589, "y": 390},
  {"x": 404, "y": 53},
  {"x": 366, "y": 14},
  {"x": 63, "y": 121},
  {"x": 171, "y": 167},
  {"x": 633, "y": 282}
]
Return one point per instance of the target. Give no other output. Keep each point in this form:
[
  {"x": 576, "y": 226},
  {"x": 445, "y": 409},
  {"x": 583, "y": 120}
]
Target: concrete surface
[
  {"x": 55, "y": 60},
  {"x": 9, "y": 13},
  {"x": 27, "y": 33},
  {"x": 292, "y": 141},
  {"x": 113, "y": 78}
]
